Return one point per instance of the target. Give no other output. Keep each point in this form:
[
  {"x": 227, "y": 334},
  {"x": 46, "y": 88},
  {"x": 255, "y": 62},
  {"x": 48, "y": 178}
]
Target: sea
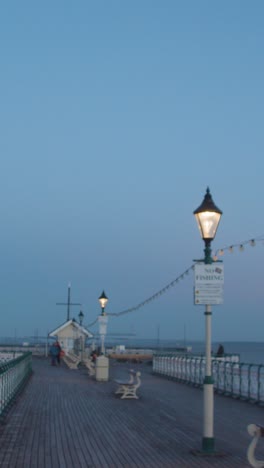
[{"x": 249, "y": 352}]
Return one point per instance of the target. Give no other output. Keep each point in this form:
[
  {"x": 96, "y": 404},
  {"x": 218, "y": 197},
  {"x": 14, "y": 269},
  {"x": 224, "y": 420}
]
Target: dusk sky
[{"x": 115, "y": 116}]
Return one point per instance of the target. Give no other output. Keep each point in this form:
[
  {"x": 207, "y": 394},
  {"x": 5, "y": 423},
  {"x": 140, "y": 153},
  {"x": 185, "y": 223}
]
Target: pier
[{"x": 64, "y": 419}]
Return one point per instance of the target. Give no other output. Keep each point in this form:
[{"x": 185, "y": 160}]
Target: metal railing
[
  {"x": 240, "y": 380},
  {"x": 13, "y": 374}
]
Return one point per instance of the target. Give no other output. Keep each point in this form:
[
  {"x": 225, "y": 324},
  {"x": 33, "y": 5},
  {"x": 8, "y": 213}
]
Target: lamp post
[
  {"x": 82, "y": 339},
  {"x": 81, "y": 315},
  {"x": 208, "y": 218},
  {"x": 103, "y": 299}
]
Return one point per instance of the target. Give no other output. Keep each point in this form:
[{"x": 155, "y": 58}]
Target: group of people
[{"x": 55, "y": 353}]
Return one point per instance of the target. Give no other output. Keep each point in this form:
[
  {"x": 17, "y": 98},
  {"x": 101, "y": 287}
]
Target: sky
[{"x": 115, "y": 116}]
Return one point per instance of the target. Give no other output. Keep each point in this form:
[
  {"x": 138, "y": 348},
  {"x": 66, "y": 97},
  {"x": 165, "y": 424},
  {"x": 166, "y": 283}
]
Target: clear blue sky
[{"x": 115, "y": 116}]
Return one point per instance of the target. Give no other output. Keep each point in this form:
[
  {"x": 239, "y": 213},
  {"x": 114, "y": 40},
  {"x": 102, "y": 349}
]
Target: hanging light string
[
  {"x": 240, "y": 246},
  {"x": 218, "y": 252},
  {"x": 149, "y": 299},
  {"x": 154, "y": 296},
  {"x": 91, "y": 324}
]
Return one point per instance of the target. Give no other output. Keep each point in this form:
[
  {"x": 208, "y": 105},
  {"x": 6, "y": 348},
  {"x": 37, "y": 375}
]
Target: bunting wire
[
  {"x": 154, "y": 296},
  {"x": 218, "y": 252},
  {"x": 240, "y": 246},
  {"x": 93, "y": 323}
]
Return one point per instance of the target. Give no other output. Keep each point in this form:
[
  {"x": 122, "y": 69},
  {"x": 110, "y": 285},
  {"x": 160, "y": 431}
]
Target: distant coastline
[{"x": 249, "y": 352}]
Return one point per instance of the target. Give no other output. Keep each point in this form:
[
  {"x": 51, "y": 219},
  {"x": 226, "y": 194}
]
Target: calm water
[{"x": 249, "y": 352}]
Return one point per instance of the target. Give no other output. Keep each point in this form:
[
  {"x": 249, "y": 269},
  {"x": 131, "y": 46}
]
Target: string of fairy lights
[
  {"x": 154, "y": 296},
  {"x": 240, "y": 246},
  {"x": 218, "y": 253}
]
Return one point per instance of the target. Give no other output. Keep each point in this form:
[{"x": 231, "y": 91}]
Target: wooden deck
[{"x": 66, "y": 419}]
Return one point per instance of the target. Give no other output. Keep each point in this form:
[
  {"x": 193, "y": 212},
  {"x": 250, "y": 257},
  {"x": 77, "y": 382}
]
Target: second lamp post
[
  {"x": 208, "y": 217},
  {"x": 103, "y": 299}
]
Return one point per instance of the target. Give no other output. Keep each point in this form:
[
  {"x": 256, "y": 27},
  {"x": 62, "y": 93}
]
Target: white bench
[
  {"x": 128, "y": 389},
  {"x": 71, "y": 360},
  {"x": 90, "y": 366},
  {"x": 256, "y": 432}
]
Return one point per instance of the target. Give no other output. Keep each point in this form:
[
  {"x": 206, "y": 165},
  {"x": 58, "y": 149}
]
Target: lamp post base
[
  {"x": 208, "y": 449},
  {"x": 102, "y": 369},
  {"x": 212, "y": 454},
  {"x": 208, "y": 444}
]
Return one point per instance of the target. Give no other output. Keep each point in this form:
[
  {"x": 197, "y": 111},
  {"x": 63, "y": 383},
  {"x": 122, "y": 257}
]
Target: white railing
[
  {"x": 256, "y": 432},
  {"x": 8, "y": 356}
]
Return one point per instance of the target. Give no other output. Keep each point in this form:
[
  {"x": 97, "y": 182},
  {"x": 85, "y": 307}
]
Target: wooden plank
[{"x": 65, "y": 419}]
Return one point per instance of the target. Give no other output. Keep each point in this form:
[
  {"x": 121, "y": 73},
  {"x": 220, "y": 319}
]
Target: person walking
[
  {"x": 58, "y": 346},
  {"x": 54, "y": 352}
]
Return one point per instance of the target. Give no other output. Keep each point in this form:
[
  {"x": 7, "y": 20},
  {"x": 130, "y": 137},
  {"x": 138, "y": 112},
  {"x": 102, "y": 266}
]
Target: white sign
[{"x": 208, "y": 283}]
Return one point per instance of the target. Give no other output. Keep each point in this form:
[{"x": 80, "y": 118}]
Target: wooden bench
[
  {"x": 71, "y": 360},
  {"x": 256, "y": 432},
  {"x": 128, "y": 389}
]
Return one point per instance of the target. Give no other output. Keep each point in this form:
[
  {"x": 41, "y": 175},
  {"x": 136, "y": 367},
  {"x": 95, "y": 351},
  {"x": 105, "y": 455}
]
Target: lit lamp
[
  {"x": 103, "y": 299},
  {"x": 208, "y": 217},
  {"x": 103, "y": 319}
]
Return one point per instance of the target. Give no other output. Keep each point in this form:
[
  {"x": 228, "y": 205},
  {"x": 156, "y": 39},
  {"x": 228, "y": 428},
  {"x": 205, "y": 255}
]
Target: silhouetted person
[
  {"x": 54, "y": 352},
  {"x": 220, "y": 351},
  {"x": 58, "y": 346}
]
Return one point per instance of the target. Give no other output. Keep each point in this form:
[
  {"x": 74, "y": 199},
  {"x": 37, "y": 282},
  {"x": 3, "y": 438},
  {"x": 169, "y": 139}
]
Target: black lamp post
[
  {"x": 103, "y": 299},
  {"x": 81, "y": 315},
  {"x": 208, "y": 217}
]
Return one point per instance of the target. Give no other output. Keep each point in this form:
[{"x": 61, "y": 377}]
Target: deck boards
[{"x": 66, "y": 419}]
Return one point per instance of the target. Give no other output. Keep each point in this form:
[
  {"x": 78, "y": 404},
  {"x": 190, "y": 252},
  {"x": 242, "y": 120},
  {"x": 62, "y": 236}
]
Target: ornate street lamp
[
  {"x": 103, "y": 299},
  {"x": 81, "y": 339},
  {"x": 208, "y": 217},
  {"x": 103, "y": 319},
  {"x": 81, "y": 315}
]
